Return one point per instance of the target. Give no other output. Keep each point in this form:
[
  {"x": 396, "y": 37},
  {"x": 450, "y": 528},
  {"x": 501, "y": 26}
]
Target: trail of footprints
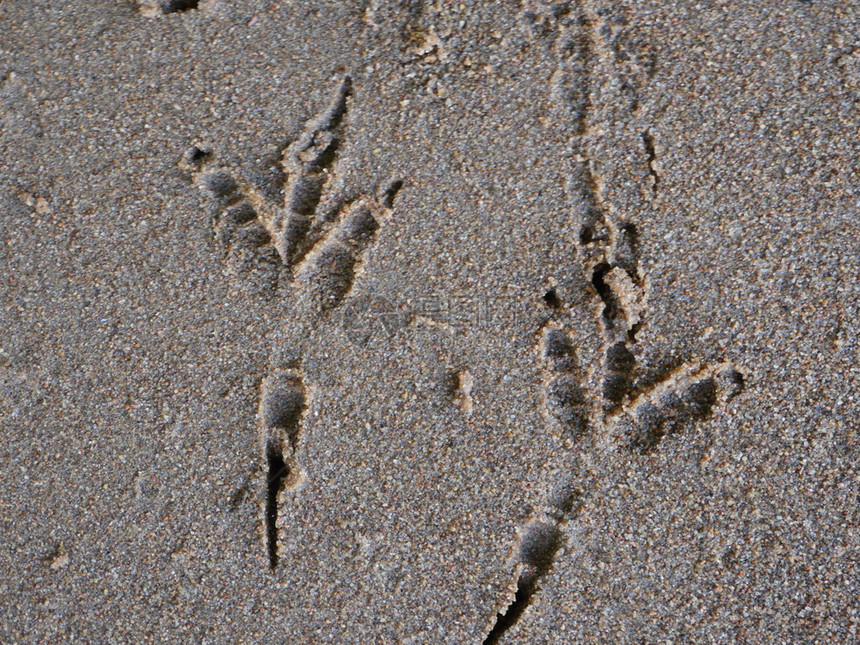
[
  {"x": 311, "y": 243},
  {"x": 317, "y": 249},
  {"x": 618, "y": 414}
]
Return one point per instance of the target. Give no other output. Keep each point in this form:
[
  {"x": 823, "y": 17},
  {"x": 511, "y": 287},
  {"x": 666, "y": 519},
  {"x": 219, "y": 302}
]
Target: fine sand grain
[{"x": 429, "y": 321}]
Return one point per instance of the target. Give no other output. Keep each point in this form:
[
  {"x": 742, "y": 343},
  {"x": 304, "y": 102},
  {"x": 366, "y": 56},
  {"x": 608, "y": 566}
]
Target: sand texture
[{"x": 429, "y": 322}]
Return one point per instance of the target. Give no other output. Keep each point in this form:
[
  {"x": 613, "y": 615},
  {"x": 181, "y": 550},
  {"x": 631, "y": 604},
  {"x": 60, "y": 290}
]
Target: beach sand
[{"x": 429, "y": 322}]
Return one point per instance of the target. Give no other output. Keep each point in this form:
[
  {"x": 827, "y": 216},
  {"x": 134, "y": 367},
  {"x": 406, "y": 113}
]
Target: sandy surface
[{"x": 366, "y": 322}]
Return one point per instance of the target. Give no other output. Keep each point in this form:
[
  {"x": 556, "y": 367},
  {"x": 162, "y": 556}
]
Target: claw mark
[
  {"x": 194, "y": 158},
  {"x": 648, "y": 143},
  {"x": 282, "y": 404},
  {"x": 607, "y": 295},
  {"x": 276, "y": 473},
  {"x": 390, "y": 193},
  {"x": 551, "y": 299},
  {"x": 155, "y": 7},
  {"x": 537, "y": 550},
  {"x": 538, "y": 545}
]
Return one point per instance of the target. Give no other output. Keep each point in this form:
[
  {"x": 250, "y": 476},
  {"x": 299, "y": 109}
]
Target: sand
[{"x": 429, "y": 322}]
